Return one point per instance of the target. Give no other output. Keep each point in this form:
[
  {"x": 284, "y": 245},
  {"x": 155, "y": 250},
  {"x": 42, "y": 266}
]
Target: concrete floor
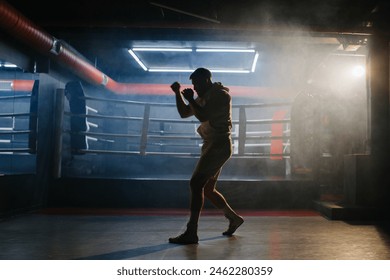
[{"x": 143, "y": 235}]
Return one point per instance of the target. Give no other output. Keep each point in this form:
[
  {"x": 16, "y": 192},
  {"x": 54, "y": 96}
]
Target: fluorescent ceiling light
[
  {"x": 169, "y": 70},
  {"x": 192, "y": 70},
  {"x": 184, "y": 69},
  {"x": 162, "y": 49},
  {"x": 255, "y": 62},
  {"x": 138, "y": 60},
  {"x": 226, "y": 50}
]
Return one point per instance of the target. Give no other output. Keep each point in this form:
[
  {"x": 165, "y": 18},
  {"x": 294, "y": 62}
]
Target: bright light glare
[{"x": 358, "y": 71}]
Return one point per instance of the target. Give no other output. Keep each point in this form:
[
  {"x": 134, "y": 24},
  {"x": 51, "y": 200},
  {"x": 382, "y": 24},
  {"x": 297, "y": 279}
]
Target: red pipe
[{"x": 23, "y": 29}]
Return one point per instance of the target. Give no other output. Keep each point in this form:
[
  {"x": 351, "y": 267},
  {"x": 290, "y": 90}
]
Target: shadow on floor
[
  {"x": 131, "y": 253},
  {"x": 137, "y": 252}
]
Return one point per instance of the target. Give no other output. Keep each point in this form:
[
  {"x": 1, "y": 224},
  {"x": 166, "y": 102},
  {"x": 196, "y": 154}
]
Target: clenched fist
[
  {"x": 175, "y": 87},
  {"x": 188, "y": 94}
]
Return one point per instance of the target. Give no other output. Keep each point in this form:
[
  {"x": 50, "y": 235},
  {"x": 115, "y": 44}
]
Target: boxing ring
[
  {"x": 119, "y": 132},
  {"x": 171, "y": 133},
  {"x": 154, "y": 133}
]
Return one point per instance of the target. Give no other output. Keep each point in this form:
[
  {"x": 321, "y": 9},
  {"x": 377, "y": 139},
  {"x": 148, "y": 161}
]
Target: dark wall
[{"x": 16, "y": 194}]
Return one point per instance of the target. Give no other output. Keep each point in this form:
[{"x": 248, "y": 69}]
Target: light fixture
[
  {"x": 172, "y": 70},
  {"x": 169, "y": 70},
  {"x": 226, "y": 50},
  {"x": 131, "y": 52},
  {"x": 162, "y": 49},
  {"x": 146, "y": 66},
  {"x": 254, "y": 62}
]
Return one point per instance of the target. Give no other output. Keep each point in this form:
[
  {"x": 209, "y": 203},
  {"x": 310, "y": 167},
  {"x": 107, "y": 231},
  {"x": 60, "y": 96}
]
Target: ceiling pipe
[
  {"x": 184, "y": 12},
  {"x": 26, "y": 31}
]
